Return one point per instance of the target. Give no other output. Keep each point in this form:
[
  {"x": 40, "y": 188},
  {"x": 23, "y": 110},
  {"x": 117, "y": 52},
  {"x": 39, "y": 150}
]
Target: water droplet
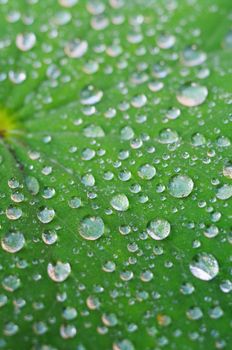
[
  {"x": 123, "y": 345},
  {"x": 68, "y": 331},
  {"x": 166, "y": 41},
  {"x": 109, "y": 320},
  {"x": 94, "y": 131},
  {"x": 68, "y": 3},
  {"x": 211, "y": 231},
  {"x": 192, "y": 94},
  {"x": 49, "y": 237},
  {"x": 120, "y": 202},
  {"x": 91, "y": 228},
  {"x": 194, "y": 313},
  {"x": 191, "y": 56},
  {"x": 76, "y": 48},
  {"x": 69, "y": 313},
  {"x": 198, "y": 140},
  {"x": 224, "y": 192},
  {"x": 204, "y": 266},
  {"x": 227, "y": 170},
  {"x": 59, "y": 272},
  {"x": 109, "y": 266},
  {"x": 25, "y": 41},
  {"x": 13, "y": 213},
  {"x": 17, "y": 77},
  {"x": 46, "y": 215},
  {"x": 180, "y": 186},
  {"x": 32, "y": 185},
  {"x": 139, "y": 101},
  {"x": 11, "y": 283},
  {"x": 159, "y": 229},
  {"x": 74, "y": 202},
  {"x": 167, "y": 136},
  {"x": 147, "y": 172},
  {"x": 13, "y": 242},
  {"x": 90, "y": 95}
]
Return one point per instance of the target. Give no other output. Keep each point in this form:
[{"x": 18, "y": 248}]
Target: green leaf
[{"x": 115, "y": 187}]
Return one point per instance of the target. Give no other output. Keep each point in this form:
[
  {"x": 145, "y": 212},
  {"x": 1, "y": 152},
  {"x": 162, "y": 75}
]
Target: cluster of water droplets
[{"x": 125, "y": 179}]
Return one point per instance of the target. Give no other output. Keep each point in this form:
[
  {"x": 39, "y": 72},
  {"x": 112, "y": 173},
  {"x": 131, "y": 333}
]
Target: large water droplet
[
  {"x": 90, "y": 95},
  {"x": 13, "y": 242},
  {"x": 192, "y": 57},
  {"x": 76, "y": 48},
  {"x": 59, "y": 272},
  {"x": 25, "y": 41},
  {"x": 224, "y": 192},
  {"x": 13, "y": 213},
  {"x": 159, "y": 229},
  {"x": 180, "y": 186},
  {"x": 123, "y": 345},
  {"x": 147, "y": 172},
  {"x": 192, "y": 94},
  {"x": 168, "y": 135},
  {"x": 120, "y": 202},
  {"x": 166, "y": 41},
  {"x": 32, "y": 185},
  {"x": 91, "y": 228},
  {"x": 46, "y": 215},
  {"x": 204, "y": 266}
]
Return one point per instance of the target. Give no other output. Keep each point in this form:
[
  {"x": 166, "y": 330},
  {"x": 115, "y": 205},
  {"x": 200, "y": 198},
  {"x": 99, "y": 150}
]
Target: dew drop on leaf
[
  {"x": 147, "y": 172},
  {"x": 76, "y": 48},
  {"x": 91, "y": 95},
  {"x": 91, "y": 228},
  {"x": 59, "y": 272},
  {"x": 159, "y": 229},
  {"x": 13, "y": 242},
  {"x": 204, "y": 266},
  {"x": 191, "y": 56},
  {"x": 192, "y": 94},
  {"x": 180, "y": 186},
  {"x": 25, "y": 41},
  {"x": 120, "y": 202},
  {"x": 46, "y": 215}
]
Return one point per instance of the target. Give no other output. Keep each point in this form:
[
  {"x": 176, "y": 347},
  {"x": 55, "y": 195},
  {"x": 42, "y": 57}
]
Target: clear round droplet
[
  {"x": 120, "y": 202},
  {"x": 76, "y": 48},
  {"x": 91, "y": 228},
  {"x": 191, "y": 56},
  {"x": 25, "y": 41},
  {"x": 13, "y": 242},
  {"x": 59, "y": 272},
  {"x": 192, "y": 94},
  {"x": 180, "y": 186},
  {"x": 124, "y": 344},
  {"x": 159, "y": 229},
  {"x": 90, "y": 95},
  {"x": 46, "y": 215},
  {"x": 204, "y": 266},
  {"x": 147, "y": 172},
  {"x": 224, "y": 192}
]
